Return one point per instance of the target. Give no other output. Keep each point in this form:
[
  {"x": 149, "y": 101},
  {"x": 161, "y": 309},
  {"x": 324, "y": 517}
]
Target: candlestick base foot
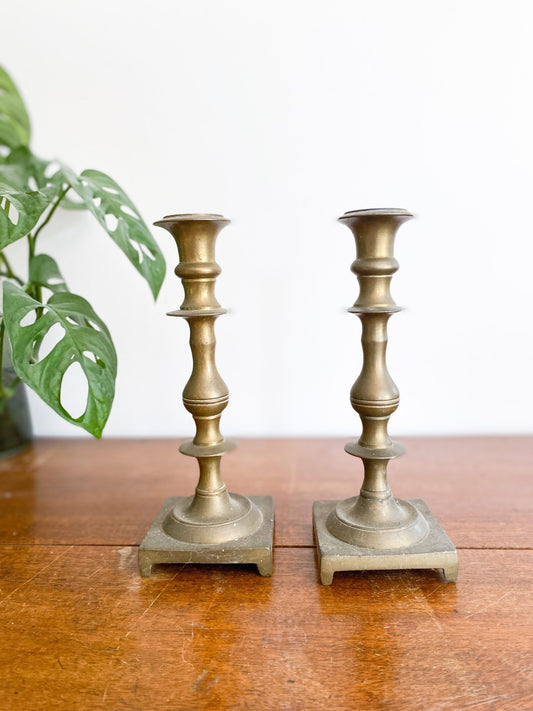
[
  {"x": 256, "y": 548},
  {"x": 434, "y": 551}
]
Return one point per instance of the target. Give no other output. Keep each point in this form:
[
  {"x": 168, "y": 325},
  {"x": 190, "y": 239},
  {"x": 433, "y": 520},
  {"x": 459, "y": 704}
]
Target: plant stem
[
  {"x": 9, "y": 271},
  {"x": 11, "y": 275},
  {"x": 32, "y": 239},
  {"x": 49, "y": 216}
]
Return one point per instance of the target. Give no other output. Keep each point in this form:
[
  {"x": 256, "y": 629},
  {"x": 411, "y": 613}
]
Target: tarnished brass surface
[
  {"x": 160, "y": 547},
  {"x": 213, "y": 525},
  {"x": 434, "y": 551},
  {"x": 381, "y": 532}
]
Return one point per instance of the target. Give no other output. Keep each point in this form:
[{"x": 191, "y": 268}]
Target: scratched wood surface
[{"x": 79, "y": 629}]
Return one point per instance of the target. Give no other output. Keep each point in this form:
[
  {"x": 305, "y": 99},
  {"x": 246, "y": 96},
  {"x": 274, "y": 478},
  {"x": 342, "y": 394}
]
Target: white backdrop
[{"x": 282, "y": 115}]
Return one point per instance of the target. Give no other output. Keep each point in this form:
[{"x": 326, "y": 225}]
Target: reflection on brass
[
  {"x": 213, "y": 526},
  {"x": 375, "y": 531}
]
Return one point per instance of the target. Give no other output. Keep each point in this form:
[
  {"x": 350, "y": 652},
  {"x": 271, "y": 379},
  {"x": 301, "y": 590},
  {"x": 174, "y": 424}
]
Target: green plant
[{"x": 31, "y": 190}]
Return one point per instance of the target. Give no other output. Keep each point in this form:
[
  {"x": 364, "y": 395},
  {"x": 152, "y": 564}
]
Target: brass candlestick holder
[
  {"x": 375, "y": 531},
  {"x": 213, "y": 525}
]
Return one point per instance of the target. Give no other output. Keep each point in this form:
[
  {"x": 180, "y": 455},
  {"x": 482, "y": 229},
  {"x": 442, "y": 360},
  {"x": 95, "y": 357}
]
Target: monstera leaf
[
  {"x": 120, "y": 218},
  {"x": 14, "y": 121},
  {"x": 28, "y": 187},
  {"x": 45, "y": 272},
  {"x": 24, "y": 171},
  {"x": 85, "y": 340},
  {"x": 19, "y": 213}
]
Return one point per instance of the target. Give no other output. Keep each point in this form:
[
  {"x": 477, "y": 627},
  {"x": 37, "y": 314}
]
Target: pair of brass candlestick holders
[{"x": 372, "y": 531}]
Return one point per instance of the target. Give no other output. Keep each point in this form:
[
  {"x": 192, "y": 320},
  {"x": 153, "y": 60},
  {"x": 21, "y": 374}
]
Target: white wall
[{"x": 282, "y": 115}]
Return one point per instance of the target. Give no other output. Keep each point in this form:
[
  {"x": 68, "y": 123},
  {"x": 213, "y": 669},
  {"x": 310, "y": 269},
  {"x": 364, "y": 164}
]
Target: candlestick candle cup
[
  {"x": 375, "y": 531},
  {"x": 213, "y": 525}
]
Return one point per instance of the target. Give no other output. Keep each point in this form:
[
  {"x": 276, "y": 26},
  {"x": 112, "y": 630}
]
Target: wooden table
[{"x": 81, "y": 630}]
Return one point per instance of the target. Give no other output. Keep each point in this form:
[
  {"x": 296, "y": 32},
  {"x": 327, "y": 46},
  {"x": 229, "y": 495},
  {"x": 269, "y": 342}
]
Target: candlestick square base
[
  {"x": 435, "y": 551},
  {"x": 159, "y": 547}
]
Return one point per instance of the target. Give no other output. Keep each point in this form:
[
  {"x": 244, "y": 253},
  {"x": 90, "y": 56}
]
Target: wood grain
[
  {"x": 89, "y": 492},
  {"x": 81, "y": 630}
]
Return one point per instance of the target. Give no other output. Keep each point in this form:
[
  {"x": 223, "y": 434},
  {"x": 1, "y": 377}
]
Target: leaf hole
[
  {"x": 51, "y": 169},
  {"x": 136, "y": 247},
  {"x": 54, "y": 335},
  {"x": 28, "y": 319},
  {"x": 147, "y": 252},
  {"x": 90, "y": 356},
  {"x": 74, "y": 198},
  {"x": 12, "y": 214},
  {"x": 74, "y": 391},
  {"x": 111, "y": 222},
  {"x": 113, "y": 191},
  {"x": 32, "y": 183},
  {"x": 97, "y": 201},
  {"x": 126, "y": 209},
  {"x": 94, "y": 325}
]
